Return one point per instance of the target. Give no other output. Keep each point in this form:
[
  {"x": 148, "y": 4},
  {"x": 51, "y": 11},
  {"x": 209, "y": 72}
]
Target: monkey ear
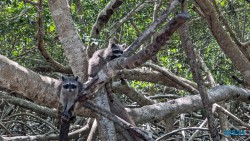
[
  {"x": 76, "y": 78},
  {"x": 63, "y": 78}
]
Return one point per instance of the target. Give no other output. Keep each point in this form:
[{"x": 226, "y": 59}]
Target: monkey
[
  {"x": 68, "y": 92},
  {"x": 102, "y": 56}
]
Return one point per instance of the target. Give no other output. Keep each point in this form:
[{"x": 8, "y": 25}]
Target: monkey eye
[
  {"x": 66, "y": 86},
  {"x": 73, "y": 86}
]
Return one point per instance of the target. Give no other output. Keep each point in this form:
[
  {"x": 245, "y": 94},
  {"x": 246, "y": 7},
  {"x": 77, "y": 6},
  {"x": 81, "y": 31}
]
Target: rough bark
[
  {"x": 106, "y": 127},
  {"x": 41, "y": 89},
  {"x": 72, "y": 45},
  {"x": 154, "y": 77},
  {"x": 157, "y": 112}
]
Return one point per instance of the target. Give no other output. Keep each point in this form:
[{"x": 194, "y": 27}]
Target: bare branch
[
  {"x": 230, "y": 31},
  {"x": 29, "y": 105},
  {"x": 153, "y": 77},
  {"x": 189, "y": 128},
  {"x": 72, "y": 45},
  {"x": 224, "y": 40},
  {"x": 136, "y": 9},
  {"x": 220, "y": 108},
  {"x": 158, "y": 111},
  {"x": 151, "y": 29},
  {"x": 132, "y": 94},
  {"x": 195, "y": 68},
  {"x": 173, "y": 78},
  {"x": 40, "y": 43},
  {"x": 101, "y": 21},
  {"x": 132, "y": 129}
]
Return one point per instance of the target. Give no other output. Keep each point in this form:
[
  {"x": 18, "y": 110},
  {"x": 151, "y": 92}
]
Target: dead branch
[
  {"x": 172, "y": 77},
  {"x": 132, "y": 129},
  {"x": 118, "y": 24},
  {"x": 101, "y": 21},
  {"x": 151, "y": 29},
  {"x": 40, "y": 43},
  {"x": 186, "y": 104}
]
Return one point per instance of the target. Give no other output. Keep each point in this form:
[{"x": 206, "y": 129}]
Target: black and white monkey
[
  {"x": 102, "y": 56},
  {"x": 69, "y": 89}
]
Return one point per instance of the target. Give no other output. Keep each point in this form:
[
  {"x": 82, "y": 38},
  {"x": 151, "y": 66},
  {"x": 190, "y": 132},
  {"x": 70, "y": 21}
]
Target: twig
[
  {"x": 101, "y": 21},
  {"x": 172, "y": 77},
  {"x": 32, "y": 115},
  {"x": 189, "y": 128},
  {"x": 137, "y": 8},
  {"x": 220, "y": 108},
  {"x": 151, "y": 29},
  {"x": 132, "y": 129}
]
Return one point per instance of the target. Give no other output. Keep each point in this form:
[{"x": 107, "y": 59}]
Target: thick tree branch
[
  {"x": 154, "y": 77},
  {"x": 40, "y": 43},
  {"x": 72, "y": 45},
  {"x": 41, "y": 89},
  {"x": 158, "y": 111}
]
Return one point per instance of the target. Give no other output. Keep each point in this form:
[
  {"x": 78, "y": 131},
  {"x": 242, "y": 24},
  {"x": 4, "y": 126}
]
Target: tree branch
[
  {"x": 173, "y": 78},
  {"x": 132, "y": 129},
  {"x": 101, "y": 21},
  {"x": 224, "y": 40},
  {"x": 72, "y": 45},
  {"x": 151, "y": 29},
  {"x": 158, "y": 111},
  {"x": 40, "y": 44},
  {"x": 152, "y": 76},
  {"x": 136, "y": 9}
]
